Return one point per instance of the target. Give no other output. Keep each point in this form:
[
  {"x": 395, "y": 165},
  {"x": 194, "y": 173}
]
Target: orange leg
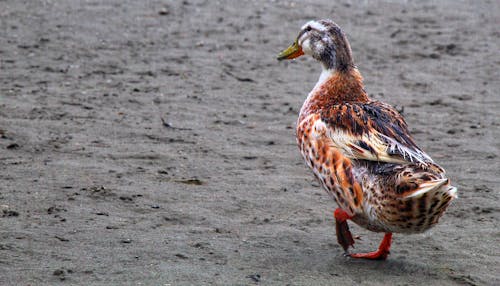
[
  {"x": 344, "y": 236},
  {"x": 381, "y": 253}
]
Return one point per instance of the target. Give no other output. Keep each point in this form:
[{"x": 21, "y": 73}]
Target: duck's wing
[{"x": 372, "y": 131}]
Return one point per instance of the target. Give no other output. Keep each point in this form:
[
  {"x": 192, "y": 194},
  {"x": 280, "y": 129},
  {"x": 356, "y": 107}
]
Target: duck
[{"x": 361, "y": 150}]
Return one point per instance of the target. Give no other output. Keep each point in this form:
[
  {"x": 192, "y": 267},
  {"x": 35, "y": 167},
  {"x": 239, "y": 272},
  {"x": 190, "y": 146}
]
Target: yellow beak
[{"x": 292, "y": 52}]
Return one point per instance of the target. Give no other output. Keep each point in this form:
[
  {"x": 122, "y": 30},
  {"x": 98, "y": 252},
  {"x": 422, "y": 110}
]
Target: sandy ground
[{"x": 152, "y": 142}]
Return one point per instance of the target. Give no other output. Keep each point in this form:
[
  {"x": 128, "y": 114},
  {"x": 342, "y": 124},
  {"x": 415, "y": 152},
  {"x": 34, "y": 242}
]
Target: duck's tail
[
  {"x": 425, "y": 195},
  {"x": 416, "y": 196},
  {"x": 435, "y": 188}
]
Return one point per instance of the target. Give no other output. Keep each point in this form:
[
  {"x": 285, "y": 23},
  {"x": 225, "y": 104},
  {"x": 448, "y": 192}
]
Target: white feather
[
  {"x": 315, "y": 25},
  {"x": 427, "y": 187},
  {"x": 412, "y": 154}
]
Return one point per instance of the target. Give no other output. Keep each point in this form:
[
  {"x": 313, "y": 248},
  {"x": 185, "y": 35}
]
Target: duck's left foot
[
  {"x": 344, "y": 236},
  {"x": 381, "y": 253}
]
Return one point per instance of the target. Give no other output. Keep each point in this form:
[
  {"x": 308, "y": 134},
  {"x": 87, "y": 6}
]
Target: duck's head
[{"x": 325, "y": 42}]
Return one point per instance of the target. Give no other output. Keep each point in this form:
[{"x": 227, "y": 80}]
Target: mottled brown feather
[{"x": 359, "y": 118}]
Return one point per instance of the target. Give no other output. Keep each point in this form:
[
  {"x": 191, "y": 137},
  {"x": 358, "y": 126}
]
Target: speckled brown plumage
[{"x": 361, "y": 150}]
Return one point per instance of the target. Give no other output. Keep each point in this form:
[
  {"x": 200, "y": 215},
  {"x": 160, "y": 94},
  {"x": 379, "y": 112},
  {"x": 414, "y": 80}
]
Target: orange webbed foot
[{"x": 381, "y": 253}]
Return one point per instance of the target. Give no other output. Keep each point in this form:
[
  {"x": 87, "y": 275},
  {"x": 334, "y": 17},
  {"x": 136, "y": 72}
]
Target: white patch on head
[
  {"x": 305, "y": 44},
  {"x": 304, "y": 41},
  {"x": 326, "y": 39},
  {"x": 309, "y": 48},
  {"x": 315, "y": 25}
]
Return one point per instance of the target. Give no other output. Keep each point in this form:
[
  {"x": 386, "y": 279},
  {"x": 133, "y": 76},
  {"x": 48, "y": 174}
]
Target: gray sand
[{"x": 153, "y": 142}]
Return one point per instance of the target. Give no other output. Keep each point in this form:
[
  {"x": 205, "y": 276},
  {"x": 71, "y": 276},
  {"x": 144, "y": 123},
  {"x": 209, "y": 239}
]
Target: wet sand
[{"x": 153, "y": 142}]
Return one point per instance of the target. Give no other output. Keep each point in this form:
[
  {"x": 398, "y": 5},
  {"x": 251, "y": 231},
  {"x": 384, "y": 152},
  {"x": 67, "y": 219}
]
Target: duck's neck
[{"x": 334, "y": 87}]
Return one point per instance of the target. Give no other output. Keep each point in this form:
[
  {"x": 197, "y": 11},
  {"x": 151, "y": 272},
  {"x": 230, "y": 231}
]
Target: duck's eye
[{"x": 308, "y": 28}]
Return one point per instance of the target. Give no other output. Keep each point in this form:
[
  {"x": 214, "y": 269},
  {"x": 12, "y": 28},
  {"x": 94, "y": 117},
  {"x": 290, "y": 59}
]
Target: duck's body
[
  {"x": 347, "y": 144},
  {"x": 361, "y": 150}
]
